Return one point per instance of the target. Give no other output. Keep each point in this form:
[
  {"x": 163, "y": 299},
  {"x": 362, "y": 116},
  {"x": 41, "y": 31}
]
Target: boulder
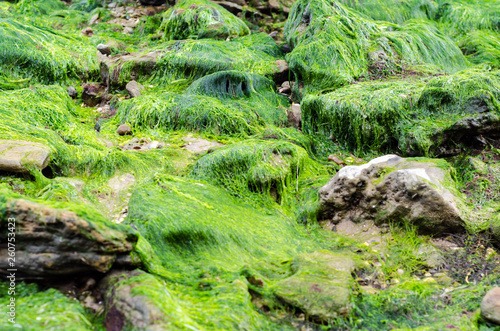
[
  {"x": 391, "y": 188},
  {"x": 128, "y": 305},
  {"x": 282, "y": 72},
  {"x": 490, "y": 306},
  {"x": 117, "y": 70},
  {"x": 53, "y": 242},
  {"x": 134, "y": 89},
  {"x": 72, "y": 92},
  {"x": 21, "y": 156},
  {"x": 319, "y": 286}
]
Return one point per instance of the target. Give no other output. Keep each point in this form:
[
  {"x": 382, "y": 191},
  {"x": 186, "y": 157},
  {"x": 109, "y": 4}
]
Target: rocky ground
[{"x": 250, "y": 165}]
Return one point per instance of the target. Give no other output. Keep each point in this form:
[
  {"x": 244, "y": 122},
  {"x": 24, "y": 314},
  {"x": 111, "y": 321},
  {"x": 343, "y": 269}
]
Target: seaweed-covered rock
[
  {"x": 21, "y": 156},
  {"x": 332, "y": 45},
  {"x": 43, "y": 54},
  {"x": 193, "y": 59},
  {"x": 233, "y": 103},
  {"x": 133, "y": 300},
  {"x": 197, "y": 19},
  {"x": 262, "y": 166},
  {"x": 320, "y": 285},
  {"x": 490, "y": 306},
  {"x": 391, "y": 188},
  {"x": 394, "y": 11},
  {"x": 53, "y": 241},
  {"x": 416, "y": 116}
]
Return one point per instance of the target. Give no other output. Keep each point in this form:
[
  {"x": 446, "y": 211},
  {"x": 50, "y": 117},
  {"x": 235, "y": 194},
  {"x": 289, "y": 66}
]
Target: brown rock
[
  {"x": 294, "y": 116},
  {"x": 93, "y": 94},
  {"x": 52, "y": 241},
  {"x": 88, "y": 31},
  {"x": 490, "y": 306},
  {"x": 282, "y": 72},
  {"x": 21, "y": 156},
  {"x": 335, "y": 159},
  {"x": 124, "y": 129},
  {"x": 104, "y": 49}
]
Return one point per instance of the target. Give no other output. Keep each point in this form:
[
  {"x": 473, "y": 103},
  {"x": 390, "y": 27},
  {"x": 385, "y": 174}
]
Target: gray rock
[
  {"x": 141, "y": 65},
  {"x": 295, "y": 116},
  {"x": 53, "y": 242},
  {"x": 134, "y": 89},
  {"x": 124, "y": 129},
  {"x": 390, "y": 188},
  {"x": 490, "y": 306},
  {"x": 21, "y": 156},
  {"x": 320, "y": 285},
  {"x": 282, "y": 72},
  {"x": 72, "y": 92},
  {"x": 104, "y": 49}
]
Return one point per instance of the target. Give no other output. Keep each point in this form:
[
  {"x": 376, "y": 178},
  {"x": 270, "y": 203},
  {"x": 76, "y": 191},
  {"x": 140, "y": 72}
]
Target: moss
[
  {"x": 413, "y": 116},
  {"x": 353, "y": 46},
  {"x": 197, "y": 19},
  {"x": 394, "y": 11},
  {"x": 38, "y": 309},
  {"x": 44, "y": 55},
  {"x": 233, "y": 103}
]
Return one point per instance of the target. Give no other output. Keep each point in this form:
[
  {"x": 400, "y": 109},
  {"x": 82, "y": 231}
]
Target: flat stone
[
  {"x": 320, "y": 285},
  {"x": 490, "y": 306},
  {"x": 199, "y": 145},
  {"x": 20, "y": 156}
]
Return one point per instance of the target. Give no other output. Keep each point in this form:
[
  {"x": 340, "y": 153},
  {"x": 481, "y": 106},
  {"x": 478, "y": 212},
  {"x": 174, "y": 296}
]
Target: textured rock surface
[
  {"x": 19, "y": 156},
  {"x": 320, "y": 285},
  {"x": 51, "y": 242},
  {"x": 134, "y": 89},
  {"x": 391, "y": 188},
  {"x": 93, "y": 94},
  {"x": 490, "y": 306},
  {"x": 118, "y": 70}
]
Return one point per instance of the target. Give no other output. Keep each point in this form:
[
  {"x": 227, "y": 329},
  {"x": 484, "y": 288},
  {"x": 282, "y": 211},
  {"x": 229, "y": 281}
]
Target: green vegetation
[{"x": 197, "y": 19}]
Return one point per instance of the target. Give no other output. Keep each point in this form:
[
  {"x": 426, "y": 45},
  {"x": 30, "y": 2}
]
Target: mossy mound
[
  {"x": 395, "y": 11},
  {"x": 197, "y": 19},
  {"x": 38, "y": 309},
  {"x": 334, "y": 45},
  {"x": 269, "y": 167},
  {"x": 44, "y": 55},
  {"x": 178, "y": 63},
  {"x": 226, "y": 103},
  {"x": 413, "y": 116}
]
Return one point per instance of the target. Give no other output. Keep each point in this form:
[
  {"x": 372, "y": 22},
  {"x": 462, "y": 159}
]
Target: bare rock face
[
  {"x": 20, "y": 156},
  {"x": 93, "y": 94},
  {"x": 53, "y": 242},
  {"x": 320, "y": 285},
  {"x": 118, "y": 70},
  {"x": 490, "y": 306},
  {"x": 391, "y": 188},
  {"x": 134, "y": 89}
]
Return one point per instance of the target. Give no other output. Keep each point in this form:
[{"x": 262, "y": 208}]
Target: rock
[
  {"x": 391, "y": 188},
  {"x": 134, "y": 89},
  {"x": 282, "y": 72},
  {"x": 104, "y": 49},
  {"x": 128, "y": 305},
  {"x": 52, "y": 242},
  {"x": 295, "y": 116},
  {"x": 490, "y": 306},
  {"x": 320, "y": 285},
  {"x": 231, "y": 7},
  {"x": 153, "y": 2},
  {"x": 87, "y": 31},
  {"x": 124, "y": 129},
  {"x": 199, "y": 145},
  {"x": 72, "y": 92},
  {"x": 335, "y": 159},
  {"x": 118, "y": 70},
  {"x": 285, "y": 48},
  {"x": 21, "y": 156},
  {"x": 273, "y": 34},
  {"x": 93, "y": 94}
]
